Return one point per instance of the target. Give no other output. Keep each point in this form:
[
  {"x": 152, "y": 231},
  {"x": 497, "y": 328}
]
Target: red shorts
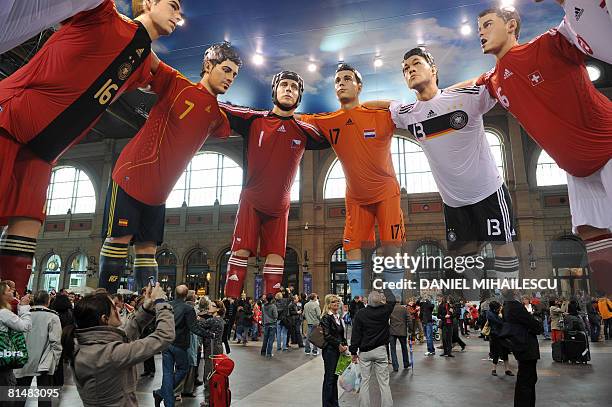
[
  {"x": 251, "y": 225},
  {"x": 23, "y": 183},
  {"x": 360, "y": 219}
]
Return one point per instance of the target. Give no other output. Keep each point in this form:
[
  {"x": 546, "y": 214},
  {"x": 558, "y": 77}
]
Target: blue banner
[
  {"x": 258, "y": 285},
  {"x": 307, "y": 283}
]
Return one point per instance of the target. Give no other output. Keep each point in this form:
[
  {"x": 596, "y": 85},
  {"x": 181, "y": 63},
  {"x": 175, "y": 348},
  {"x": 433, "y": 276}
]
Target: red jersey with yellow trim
[
  {"x": 181, "y": 120},
  {"x": 545, "y": 85},
  {"x": 53, "y": 101},
  {"x": 361, "y": 139},
  {"x": 274, "y": 146}
]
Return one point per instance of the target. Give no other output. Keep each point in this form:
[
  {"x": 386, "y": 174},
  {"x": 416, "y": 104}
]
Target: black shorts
[
  {"x": 124, "y": 215},
  {"x": 490, "y": 220}
]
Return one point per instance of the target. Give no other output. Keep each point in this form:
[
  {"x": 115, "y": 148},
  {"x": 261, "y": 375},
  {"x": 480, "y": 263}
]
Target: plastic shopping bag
[
  {"x": 350, "y": 380},
  {"x": 343, "y": 362}
]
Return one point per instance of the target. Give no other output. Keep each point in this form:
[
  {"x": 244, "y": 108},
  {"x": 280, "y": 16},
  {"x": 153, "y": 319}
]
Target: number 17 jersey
[{"x": 361, "y": 139}]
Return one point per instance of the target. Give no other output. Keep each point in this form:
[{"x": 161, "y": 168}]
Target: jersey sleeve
[
  {"x": 485, "y": 100},
  {"x": 162, "y": 79},
  {"x": 483, "y": 80},
  {"x": 100, "y": 14},
  {"x": 25, "y": 19},
  {"x": 240, "y": 118},
  {"x": 385, "y": 118},
  {"x": 558, "y": 43},
  {"x": 314, "y": 138},
  {"x": 397, "y": 110},
  {"x": 222, "y": 130}
]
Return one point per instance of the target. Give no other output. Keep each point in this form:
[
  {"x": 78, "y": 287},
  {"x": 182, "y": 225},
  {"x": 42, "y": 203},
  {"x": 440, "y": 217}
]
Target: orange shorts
[
  {"x": 360, "y": 219},
  {"x": 24, "y": 183}
]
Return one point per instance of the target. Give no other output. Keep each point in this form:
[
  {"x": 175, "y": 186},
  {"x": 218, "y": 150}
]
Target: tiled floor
[{"x": 294, "y": 379}]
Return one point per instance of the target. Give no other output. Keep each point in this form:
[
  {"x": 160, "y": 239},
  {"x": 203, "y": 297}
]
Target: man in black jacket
[
  {"x": 370, "y": 337},
  {"x": 426, "y": 318},
  {"x": 175, "y": 363},
  {"x": 524, "y": 327}
]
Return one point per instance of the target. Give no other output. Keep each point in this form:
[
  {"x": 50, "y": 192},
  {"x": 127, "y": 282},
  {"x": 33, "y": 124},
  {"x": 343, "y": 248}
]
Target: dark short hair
[
  {"x": 41, "y": 297},
  {"x": 217, "y": 53},
  {"x": 270, "y": 298},
  {"x": 347, "y": 67},
  {"x": 426, "y": 55},
  {"x": 506, "y": 14}
]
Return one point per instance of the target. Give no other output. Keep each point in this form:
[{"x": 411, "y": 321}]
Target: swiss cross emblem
[{"x": 535, "y": 78}]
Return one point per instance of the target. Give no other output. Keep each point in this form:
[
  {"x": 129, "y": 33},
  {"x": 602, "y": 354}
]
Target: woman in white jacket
[
  {"x": 44, "y": 346},
  {"x": 9, "y": 320}
]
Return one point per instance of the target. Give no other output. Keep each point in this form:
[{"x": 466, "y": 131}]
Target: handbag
[
  {"x": 486, "y": 329},
  {"x": 13, "y": 349},
  {"x": 317, "y": 337}
]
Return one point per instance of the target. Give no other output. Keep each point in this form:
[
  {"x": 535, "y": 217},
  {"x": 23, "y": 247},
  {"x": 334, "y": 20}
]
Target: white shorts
[
  {"x": 591, "y": 198},
  {"x": 588, "y": 26}
]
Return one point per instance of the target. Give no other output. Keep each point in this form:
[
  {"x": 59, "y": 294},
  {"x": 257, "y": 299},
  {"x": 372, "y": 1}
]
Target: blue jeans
[
  {"x": 403, "y": 345},
  {"x": 429, "y": 336},
  {"x": 281, "y": 336},
  {"x": 268, "y": 339},
  {"x": 546, "y": 327},
  {"x": 254, "y": 331},
  {"x": 308, "y": 347},
  {"x": 171, "y": 377}
]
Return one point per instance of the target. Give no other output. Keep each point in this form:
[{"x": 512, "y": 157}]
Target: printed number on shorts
[
  {"x": 493, "y": 227},
  {"x": 417, "y": 130},
  {"x": 190, "y": 106},
  {"x": 502, "y": 98},
  {"x": 106, "y": 92},
  {"x": 333, "y": 135}
]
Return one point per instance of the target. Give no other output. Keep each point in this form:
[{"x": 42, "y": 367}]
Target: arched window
[
  {"x": 166, "y": 262},
  {"x": 548, "y": 172},
  {"x": 570, "y": 266},
  {"x": 209, "y": 176},
  {"x": 291, "y": 274},
  {"x": 31, "y": 280},
  {"x": 295, "y": 188},
  {"x": 432, "y": 261},
  {"x": 78, "y": 271},
  {"x": 496, "y": 146},
  {"x": 339, "y": 278},
  {"x": 70, "y": 190},
  {"x": 410, "y": 164},
  {"x": 52, "y": 271},
  {"x": 223, "y": 272},
  {"x": 198, "y": 271}
]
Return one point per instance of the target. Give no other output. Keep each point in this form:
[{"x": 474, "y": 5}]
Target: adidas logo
[
  {"x": 507, "y": 73},
  {"x": 233, "y": 277},
  {"x": 431, "y": 114},
  {"x": 282, "y": 129},
  {"x": 348, "y": 122},
  {"x": 578, "y": 12},
  {"x": 277, "y": 286},
  {"x": 139, "y": 51}
]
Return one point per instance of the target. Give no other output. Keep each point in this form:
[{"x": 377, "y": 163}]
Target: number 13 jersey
[{"x": 450, "y": 130}]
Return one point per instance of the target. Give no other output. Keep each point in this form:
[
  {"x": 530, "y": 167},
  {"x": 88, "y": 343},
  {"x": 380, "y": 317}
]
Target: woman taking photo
[
  {"x": 498, "y": 350},
  {"x": 335, "y": 344},
  {"x": 9, "y": 320},
  {"x": 105, "y": 357}
]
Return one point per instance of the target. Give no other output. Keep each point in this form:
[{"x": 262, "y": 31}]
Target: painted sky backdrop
[{"x": 290, "y": 34}]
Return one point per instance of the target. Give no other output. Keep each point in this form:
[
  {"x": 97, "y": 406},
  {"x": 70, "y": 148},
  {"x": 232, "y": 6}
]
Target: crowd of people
[{"x": 103, "y": 337}]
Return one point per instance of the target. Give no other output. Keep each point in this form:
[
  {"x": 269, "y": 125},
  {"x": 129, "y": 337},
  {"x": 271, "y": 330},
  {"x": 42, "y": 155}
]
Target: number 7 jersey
[
  {"x": 361, "y": 139},
  {"x": 183, "y": 117}
]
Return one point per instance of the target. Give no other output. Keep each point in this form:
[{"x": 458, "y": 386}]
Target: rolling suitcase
[
  {"x": 557, "y": 351},
  {"x": 576, "y": 347}
]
